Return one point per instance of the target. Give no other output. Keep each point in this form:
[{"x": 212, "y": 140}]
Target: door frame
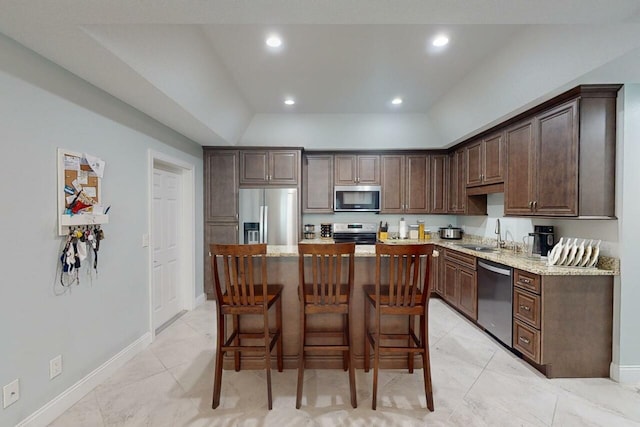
[{"x": 187, "y": 274}]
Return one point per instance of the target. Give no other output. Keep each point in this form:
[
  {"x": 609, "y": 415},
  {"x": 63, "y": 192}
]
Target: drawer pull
[
  {"x": 525, "y": 280},
  {"x": 525, "y": 307},
  {"x": 524, "y": 340}
]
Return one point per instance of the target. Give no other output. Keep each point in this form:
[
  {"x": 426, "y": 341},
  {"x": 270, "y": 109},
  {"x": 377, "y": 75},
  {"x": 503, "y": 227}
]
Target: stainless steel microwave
[{"x": 356, "y": 198}]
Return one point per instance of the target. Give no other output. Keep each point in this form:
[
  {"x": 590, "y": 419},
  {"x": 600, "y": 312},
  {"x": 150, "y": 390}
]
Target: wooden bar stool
[
  {"x": 244, "y": 295},
  {"x": 326, "y": 291},
  {"x": 399, "y": 293}
]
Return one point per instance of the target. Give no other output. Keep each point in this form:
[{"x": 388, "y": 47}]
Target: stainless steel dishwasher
[{"x": 495, "y": 299}]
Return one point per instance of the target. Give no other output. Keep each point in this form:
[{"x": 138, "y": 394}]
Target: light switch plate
[{"x": 11, "y": 393}]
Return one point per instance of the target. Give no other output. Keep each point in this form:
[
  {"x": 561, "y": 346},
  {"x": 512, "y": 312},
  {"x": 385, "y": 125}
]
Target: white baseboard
[
  {"x": 201, "y": 299},
  {"x": 73, "y": 394},
  {"x": 625, "y": 374}
]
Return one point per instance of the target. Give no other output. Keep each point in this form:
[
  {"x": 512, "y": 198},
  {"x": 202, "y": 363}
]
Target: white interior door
[{"x": 166, "y": 251}]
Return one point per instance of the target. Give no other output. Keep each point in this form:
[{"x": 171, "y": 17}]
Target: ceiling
[{"x": 203, "y": 69}]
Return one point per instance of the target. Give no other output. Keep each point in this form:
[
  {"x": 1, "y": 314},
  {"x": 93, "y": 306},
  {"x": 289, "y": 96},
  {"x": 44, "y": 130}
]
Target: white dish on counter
[
  {"x": 586, "y": 258},
  {"x": 579, "y": 254},
  {"x": 565, "y": 253},
  {"x": 554, "y": 254},
  {"x": 595, "y": 254},
  {"x": 572, "y": 253}
]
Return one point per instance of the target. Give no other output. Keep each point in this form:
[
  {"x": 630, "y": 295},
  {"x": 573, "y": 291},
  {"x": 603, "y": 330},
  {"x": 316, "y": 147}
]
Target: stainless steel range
[{"x": 360, "y": 233}]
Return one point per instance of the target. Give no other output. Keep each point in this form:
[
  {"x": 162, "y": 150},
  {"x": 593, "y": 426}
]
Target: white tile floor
[{"x": 476, "y": 383}]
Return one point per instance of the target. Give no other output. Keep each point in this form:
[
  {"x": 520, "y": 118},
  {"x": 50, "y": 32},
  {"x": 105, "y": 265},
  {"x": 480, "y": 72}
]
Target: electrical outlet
[
  {"x": 11, "y": 393},
  {"x": 145, "y": 240},
  {"x": 55, "y": 366}
]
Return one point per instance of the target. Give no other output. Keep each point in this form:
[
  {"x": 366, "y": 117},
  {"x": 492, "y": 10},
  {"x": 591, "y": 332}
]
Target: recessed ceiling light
[
  {"x": 274, "y": 41},
  {"x": 289, "y": 101},
  {"x": 396, "y": 101},
  {"x": 440, "y": 40}
]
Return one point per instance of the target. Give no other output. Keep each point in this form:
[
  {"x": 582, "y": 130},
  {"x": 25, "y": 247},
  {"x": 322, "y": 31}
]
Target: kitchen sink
[{"x": 478, "y": 248}]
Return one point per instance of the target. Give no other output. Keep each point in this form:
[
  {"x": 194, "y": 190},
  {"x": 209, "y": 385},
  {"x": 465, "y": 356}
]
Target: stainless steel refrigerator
[{"x": 269, "y": 216}]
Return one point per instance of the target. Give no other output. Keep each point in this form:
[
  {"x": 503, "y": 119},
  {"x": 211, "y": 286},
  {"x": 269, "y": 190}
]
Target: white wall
[
  {"x": 629, "y": 231},
  {"x": 342, "y": 131},
  {"x": 160, "y": 53},
  {"x": 540, "y": 62},
  {"x": 43, "y": 107}
]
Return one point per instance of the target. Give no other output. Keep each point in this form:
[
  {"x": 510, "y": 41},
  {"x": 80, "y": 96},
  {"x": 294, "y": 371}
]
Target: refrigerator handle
[
  {"x": 261, "y": 225},
  {"x": 265, "y": 219}
]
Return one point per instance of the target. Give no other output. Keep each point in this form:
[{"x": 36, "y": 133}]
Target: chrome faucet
[{"x": 499, "y": 242}]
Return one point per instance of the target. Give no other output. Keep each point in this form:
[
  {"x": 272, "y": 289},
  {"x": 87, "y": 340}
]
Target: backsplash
[
  {"x": 483, "y": 227},
  {"x": 514, "y": 229},
  {"x": 432, "y": 222}
]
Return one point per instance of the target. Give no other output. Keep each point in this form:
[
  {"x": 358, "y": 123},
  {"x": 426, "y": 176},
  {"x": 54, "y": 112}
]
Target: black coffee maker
[{"x": 543, "y": 239}]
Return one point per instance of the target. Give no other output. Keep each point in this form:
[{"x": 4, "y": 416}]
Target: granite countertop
[{"x": 606, "y": 266}]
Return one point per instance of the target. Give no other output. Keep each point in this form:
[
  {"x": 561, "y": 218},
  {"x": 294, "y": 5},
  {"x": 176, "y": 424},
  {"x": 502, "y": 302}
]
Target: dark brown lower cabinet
[
  {"x": 563, "y": 324},
  {"x": 468, "y": 298},
  {"x": 461, "y": 282}
]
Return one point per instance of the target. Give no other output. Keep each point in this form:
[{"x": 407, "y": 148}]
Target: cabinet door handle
[
  {"x": 524, "y": 340},
  {"x": 530, "y": 205},
  {"x": 525, "y": 307},
  {"x": 535, "y": 204}
]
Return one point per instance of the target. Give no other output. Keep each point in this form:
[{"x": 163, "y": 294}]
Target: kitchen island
[{"x": 597, "y": 284}]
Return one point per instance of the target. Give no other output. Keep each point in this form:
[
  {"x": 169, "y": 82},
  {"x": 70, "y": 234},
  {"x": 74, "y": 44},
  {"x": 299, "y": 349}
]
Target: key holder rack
[{"x": 78, "y": 181}]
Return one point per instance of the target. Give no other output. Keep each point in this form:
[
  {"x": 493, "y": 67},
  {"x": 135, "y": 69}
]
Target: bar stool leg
[
  {"x": 217, "y": 381},
  {"x": 426, "y": 364},
  {"x": 279, "y": 351},
  {"x": 376, "y": 363},
  {"x": 410, "y": 344},
  {"x": 366, "y": 334},
  {"x": 267, "y": 359},
  {"x": 345, "y": 341},
  {"x": 303, "y": 327},
  {"x": 236, "y": 341},
  {"x": 349, "y": 356}
]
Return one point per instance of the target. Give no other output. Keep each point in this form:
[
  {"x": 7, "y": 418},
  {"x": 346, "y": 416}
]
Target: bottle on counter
[
  {"x": 402, "y": 229},
  {"x": 421, "y": 229}
]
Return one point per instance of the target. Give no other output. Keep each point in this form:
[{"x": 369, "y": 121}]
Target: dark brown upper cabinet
[
  {"x": 220, "y": 185},
  {"x": 485, "y": 161},
  {"x": 456, "y": 184},
  {"x": 542, "y": 164},
  {"x": 438, "y": 186},
  {"x": 317, "y": 183},
  {"x": 269, "y": 167},
  {"x": 361, "y": 169},
  {"x": 404, "y": 181},
  {"x": 561, "y": 157}
]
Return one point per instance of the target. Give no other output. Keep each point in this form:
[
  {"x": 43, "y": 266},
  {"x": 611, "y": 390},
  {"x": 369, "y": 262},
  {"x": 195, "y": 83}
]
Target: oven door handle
[{"x": 501, "y": 271}]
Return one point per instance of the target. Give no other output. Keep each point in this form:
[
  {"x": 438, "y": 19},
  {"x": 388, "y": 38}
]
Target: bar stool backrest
[
  {"x": 403, "y": 274},
  {"x": 326, "y": 285},
  {"x": 238, "y": 265}
]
